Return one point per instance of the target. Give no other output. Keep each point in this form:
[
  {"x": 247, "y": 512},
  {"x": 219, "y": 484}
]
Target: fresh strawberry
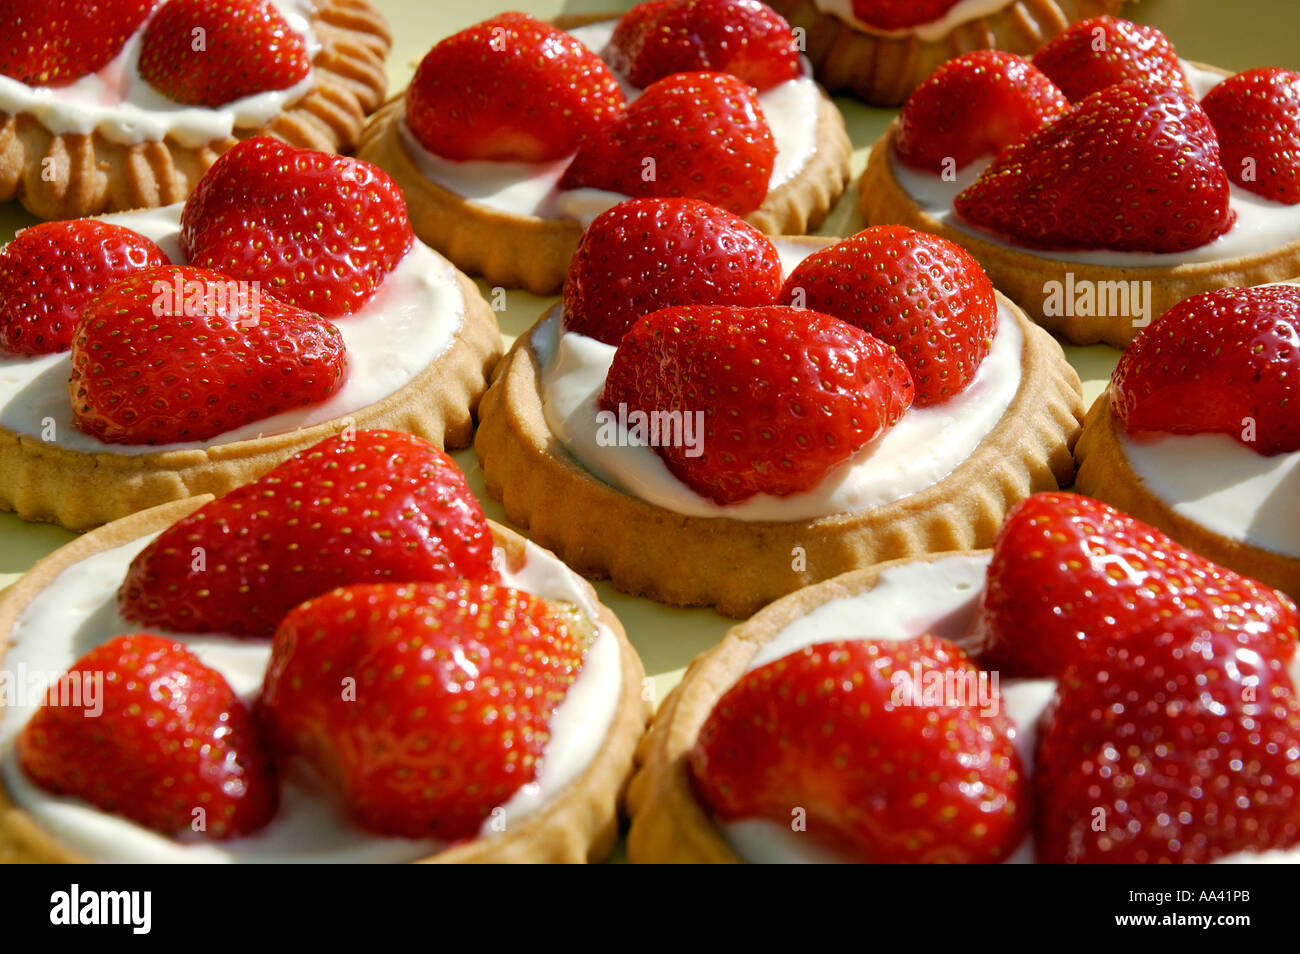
[
  {"x": 647, "y": 254},
  {"x": 1225, "y": 361},
  {"x": 154, "y": 735},
  {"x": 745, "y": 38},
  {"x": 1093, "y": 54},
  {"x": 698, "y": 135},
  {"x": 51, "y": 271},
  {"x": 319, "y": 231},
  {"x": 1257, "y": 117},
  {"x": 510, "y": 88},
  {"x": 54, "y": 44},
  {"x": 178, "y": 353},
  {"x": 786, "y": 394},
  {"x": 973, "y": 106},
  {"x": 246, "y": 48},
  {"x": 1134, "y": 167},
  {"x": 1069, "y": 571},
  {"x": 1175, "y": 745},
  {"x": 884, "y": 775},
  {"x": 900, "y": 14},
  {"x": 377, "y": 506},
  {"x": 425, "y": 705},
  {"x": 631, "y": 30},
  {"x": 925, "y": 297}
]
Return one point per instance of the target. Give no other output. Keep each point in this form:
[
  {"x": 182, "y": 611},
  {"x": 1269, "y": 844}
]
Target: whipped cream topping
[
  {"x": 412, "y": 319},
  {"x": 959, "y": 13},
  {"x": 117, "y": 103},
  {"x": 78, "y": 611}
]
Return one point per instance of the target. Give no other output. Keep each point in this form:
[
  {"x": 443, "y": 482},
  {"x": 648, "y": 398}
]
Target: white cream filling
[
  {"x": 117, "y": 103},
  {"x": 962, "y": 12},
  {"x": 412, "y": 319},
  {"x": 78, "y": 611}
]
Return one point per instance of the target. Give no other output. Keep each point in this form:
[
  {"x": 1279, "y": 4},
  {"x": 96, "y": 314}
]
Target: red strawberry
[
  {"x": 1069, "y": 571},
  {"x": 1225, "y": 361},
  {"x": 54, "y": 44},
  {"x": 1175, "y": 745},
  {"x": 900, "y": 14},
  {"x": 631, "y": 30},
  {"x": 745, "y": 38},
  {"x": 885, "y": 776},
  {"x": 698, "y": 135},
  {"x": 1134, "y": 167},
  {"x": 647, "y": 254},
  {"x": 453, "y": 686},
  {"x": 925, "y": 297},
  {"x": 183, "y": 354},
  {"x": 1257, "y": 117},
  {"x": 246, "y": 48},
  {"x": 510, "y": 88},
  {"x": 51, "y": 271},
  {"x": 1093, "y": 54},
  {"x": 165, "y": 737},
  {"x": 786, "y": 394},
  {"x": 374, "y": 507},
  {"x": 319, "y": 231},
  {"x": 973, "y": 106}
]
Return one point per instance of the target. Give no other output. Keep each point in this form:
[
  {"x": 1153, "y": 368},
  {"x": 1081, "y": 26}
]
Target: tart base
[
  {"x": 579, "y": 824},
  {"x": 91, "y": 174}
]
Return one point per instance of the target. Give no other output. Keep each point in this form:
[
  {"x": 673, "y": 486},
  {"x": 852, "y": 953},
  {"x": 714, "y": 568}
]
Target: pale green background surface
[{"x": 1234, "y": 36}]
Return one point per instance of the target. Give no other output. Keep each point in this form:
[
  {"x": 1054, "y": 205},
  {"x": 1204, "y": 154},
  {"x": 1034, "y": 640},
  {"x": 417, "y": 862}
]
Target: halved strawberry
[
  {"x": 165, "y": 741},
  {"x": 1134, "y": 167},
  {"x": 786, "y": 394},
  {"x": 1225, "y": 361},
  {"x": 319, "y": 231},
  {"x": 510, "y": 88},
  {"x": 900, "y": 14},
  {"x": 424, "y": 705},
  {"x": 54, "y": 44},
  {"x": 51, "y": 271},
  {"x": 1069, "y": 571},
  {"x": 925, "y": 297},
  {"x": 377, "y": 506},
  {"x": 1257, "y": 117},
  {"x": 1100, "y": 52},
  {"x": 698, "y": 135},
  {"x": 884, "y": 775},
  {"x": 647, "y": 254}
]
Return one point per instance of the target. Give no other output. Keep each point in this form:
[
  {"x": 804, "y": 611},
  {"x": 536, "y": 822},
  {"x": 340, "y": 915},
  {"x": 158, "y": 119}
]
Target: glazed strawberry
[
  {"x": 647, "y": 254},
  {"x": 925, "y": 297},
  {"x": 1176, "y": 745},
  {"x": 377, "y": 506},
  {"x": 54, "y": 44},
  {"x": 425, "y": 705},
  {"x": 317, "y": 230},
  {"x": 1069, "y": 571},
  {"x": 1134, "y": 167},
  {"x": 1225, "y": 361},
  {"x": 156, "y": 736},
  {"x": 510, "y": 88},
  {"x": 900, "y": 14},
  {"x": 785, "y": 394},
  {"x": 1257, "y": 117},
  {"x": 697, "y": 135},
  {"x": 53, "y": 270},
  {"x": 884, "y": 775},
  {"x": 745, "y": 38},
  {"x": 975, "y": 105},
  {"x": 1093, "y": 54},
  {"x": 178, "y": 353},
  {"x": 246, "y": 48}
]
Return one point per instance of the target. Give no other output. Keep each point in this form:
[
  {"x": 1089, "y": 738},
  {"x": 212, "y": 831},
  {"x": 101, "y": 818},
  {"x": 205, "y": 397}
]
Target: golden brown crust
[
  {"x": 42, "y": 481},
  {"x": 738, "y": 566},
  {"x": 1105, "y": 473},
  {"x": 580, "y": 824},
  {"x": 91, "y": 174}
]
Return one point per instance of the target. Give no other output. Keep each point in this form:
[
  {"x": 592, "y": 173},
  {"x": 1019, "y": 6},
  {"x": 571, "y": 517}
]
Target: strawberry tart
[
  {"x": 727, "y": 425},
  {"x": 122, "y": 104},
  {"x": 1103, "y": 182},
  {"x": 515, "y": 134},
  {"x": 1086, "y": 692},
  {"x": 153, "y": 355}
]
